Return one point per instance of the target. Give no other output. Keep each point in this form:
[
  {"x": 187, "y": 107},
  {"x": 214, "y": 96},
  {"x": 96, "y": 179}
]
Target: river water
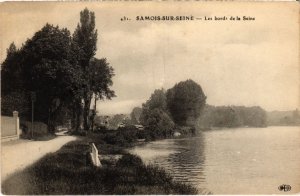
[{"x": 231, "y": 161}]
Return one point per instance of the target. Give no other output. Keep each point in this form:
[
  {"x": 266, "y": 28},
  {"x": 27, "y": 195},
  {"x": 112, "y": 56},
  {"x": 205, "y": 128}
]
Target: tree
[
  {"x": 157, "y": 100},
  {"x": 157, "y": 122},
  {"x": 135, "y": 115},
  {"x": 11, "y": 71},
  {"x": 256, "y": 117},
  {"x": 232, "y": 116},
  {"x": 85, "y": 42},
  {"x": 185, "y": 102},
  {"x": 13, "y": 95},
  {"x": 16, "y": 101},
  {"x": 50, "y": 70},
  {"x": 100, "y": 80},
  {"x": 155, "y": 116},
  {"x": 61, "y": 70}
]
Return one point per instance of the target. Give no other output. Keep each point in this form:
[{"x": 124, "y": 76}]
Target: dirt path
[{"x": 16, "y": 155}]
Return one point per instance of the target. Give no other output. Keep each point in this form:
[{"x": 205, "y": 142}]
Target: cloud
[{"x": 236, "y": 63}]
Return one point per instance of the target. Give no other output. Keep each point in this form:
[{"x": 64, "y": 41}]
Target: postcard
[{"x": 150, "y": 97}]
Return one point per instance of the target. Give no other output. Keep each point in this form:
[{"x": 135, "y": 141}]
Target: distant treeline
[
  {"x": 232, "y": 116},
  {"x": 283, "y": 118}
]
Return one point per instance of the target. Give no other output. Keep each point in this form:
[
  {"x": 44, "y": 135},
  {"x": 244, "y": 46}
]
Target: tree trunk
[
  {"x": 86, "y": 111},
  {"x": 51, "y": 122},
  {"x": 76, "y": 115},
  {"x": 94, "y": 115},
  {"x": 54, "y": 109},
  {"x": 78, "y": 119},
  {"x": 73, "y": 119}
]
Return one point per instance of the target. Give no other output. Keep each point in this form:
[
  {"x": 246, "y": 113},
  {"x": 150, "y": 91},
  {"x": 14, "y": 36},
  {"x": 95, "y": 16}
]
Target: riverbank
[
  {"x": 68, "y": 171},
  {"x": 18, "y": 154}
]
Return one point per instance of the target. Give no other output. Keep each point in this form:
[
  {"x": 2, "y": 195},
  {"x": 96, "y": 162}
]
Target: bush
[
  {"x": 124, "y": 190},
  {"x": 40, "y": 131},
  {"x": 80, "y": 133},
  {"x": 100, "y": 129},
  {"x": 157, "y": 123},
  {"x": 129, "y": 160},
  {"x": 124, "y": 136}
]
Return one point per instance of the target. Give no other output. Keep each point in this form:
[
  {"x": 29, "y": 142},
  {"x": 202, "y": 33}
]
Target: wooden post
[
  {"x": 16, "y": 120},
  {"x": 33, "y": 98}
]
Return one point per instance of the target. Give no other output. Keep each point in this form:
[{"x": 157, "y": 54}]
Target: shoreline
[{"x": 68, "y": 171}]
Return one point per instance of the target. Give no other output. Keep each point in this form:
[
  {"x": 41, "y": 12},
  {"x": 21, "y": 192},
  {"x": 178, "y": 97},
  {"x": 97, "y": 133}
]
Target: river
[{"x": 231, "y": 161}]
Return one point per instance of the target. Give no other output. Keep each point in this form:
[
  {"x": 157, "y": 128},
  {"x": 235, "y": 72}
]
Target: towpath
[{"x": 18, "y": 154}]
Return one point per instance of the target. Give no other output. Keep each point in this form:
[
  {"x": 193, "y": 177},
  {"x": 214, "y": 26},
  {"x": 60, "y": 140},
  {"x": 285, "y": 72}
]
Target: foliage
[
  {"x": 124, "y": 136},
  {"x": 158, "y": 123},
  {"x": 155, "y": 118},
  {"x": 13, "y": 95},
  {"x": 11, "y": 71},
  {"x": 232, "y": 116},
  {"x": 46, "y": 66},
  {"x": 16, "y": 101},
  {"x": 185, "y": 102},
  {"x": 85, "y": 45},
  {"x": 157, "y": 100},
  {"x": 100, "y": 80},
  {"x": 135, "y": 115},
  {"x": 62, "y": 72},
  {"x": 129, "y": 160},
  {"x": 116, "y": 120},
  {"x": 283, "y": 118}
]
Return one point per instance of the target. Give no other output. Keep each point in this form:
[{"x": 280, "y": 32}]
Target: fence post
[{"x": 16, "y": 120}]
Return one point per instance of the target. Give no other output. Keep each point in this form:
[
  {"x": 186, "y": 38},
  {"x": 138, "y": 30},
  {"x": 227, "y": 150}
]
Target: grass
[{"x": 68, "y": 171}]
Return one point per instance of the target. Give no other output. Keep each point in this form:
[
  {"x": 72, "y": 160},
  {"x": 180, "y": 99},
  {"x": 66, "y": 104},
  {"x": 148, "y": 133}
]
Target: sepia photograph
[{"x": 150, "y": 98}]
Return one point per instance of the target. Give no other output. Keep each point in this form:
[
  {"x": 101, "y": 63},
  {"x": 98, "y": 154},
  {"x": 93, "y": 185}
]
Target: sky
[{"x": 235, "y": 62}]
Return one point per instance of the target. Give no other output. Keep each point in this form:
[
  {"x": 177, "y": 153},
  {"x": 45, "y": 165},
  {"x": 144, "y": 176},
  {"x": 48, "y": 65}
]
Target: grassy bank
[{"x": 68, "y": 171}]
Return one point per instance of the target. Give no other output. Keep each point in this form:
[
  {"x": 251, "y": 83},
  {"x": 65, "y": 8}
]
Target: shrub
[
  {"x": 129, "y": 160},
  {"x": 124, "y": 190},
  {"x": 153, "y": 175},
  {"x": 100, "y": 129},
  {"x": 157, "y": 123}
]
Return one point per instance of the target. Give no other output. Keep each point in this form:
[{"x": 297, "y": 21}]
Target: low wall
[{"x": 10, "y": 127}]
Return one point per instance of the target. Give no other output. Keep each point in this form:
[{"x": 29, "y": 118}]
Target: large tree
[
  {"x": 61, "y": 70},
  {"x": 157, "y": 100},
  {"x": 51, "y": 71},
  {"x": 155, "y": 116},
  {"x": 185, "y": 102},
  {"x": 11, "y": 71},
  {"x": 100, "y": 80},
  {"x": 85, "y": 42},
  {"x": 14, "y": 96}
]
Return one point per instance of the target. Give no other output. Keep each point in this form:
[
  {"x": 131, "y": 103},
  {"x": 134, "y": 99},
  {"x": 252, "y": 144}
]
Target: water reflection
[
  {"x": 183, "y": 158},
  {"x": 232, "y": 161},
  {"x": 187, "y": 163}
]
